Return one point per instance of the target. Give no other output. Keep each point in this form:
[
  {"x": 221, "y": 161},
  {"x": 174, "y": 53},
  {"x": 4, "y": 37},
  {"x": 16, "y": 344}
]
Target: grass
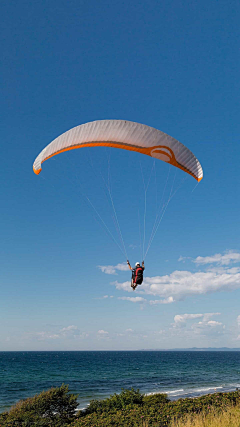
[{"x": 230, "y": 417}]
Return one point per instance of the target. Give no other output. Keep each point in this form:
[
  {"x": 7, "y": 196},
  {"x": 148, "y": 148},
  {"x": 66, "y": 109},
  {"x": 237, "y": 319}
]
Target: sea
[{"x": 99, "y": 374}]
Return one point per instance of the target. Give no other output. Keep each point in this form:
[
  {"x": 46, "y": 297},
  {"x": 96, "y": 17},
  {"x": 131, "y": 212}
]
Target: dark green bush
[
  {"x": 55, "y": 407},
  {"x": 127, "y": 398},
  {"x": 155, "y": 399},
  {"x": 3, "y": 418}
]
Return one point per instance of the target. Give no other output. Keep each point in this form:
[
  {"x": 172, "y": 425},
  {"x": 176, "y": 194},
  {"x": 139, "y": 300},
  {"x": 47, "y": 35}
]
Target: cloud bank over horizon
[{"x": 189, "y": 327}]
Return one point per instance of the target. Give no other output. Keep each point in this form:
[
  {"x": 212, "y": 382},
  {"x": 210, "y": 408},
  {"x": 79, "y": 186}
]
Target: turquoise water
[{"x": 99, "y": 374}]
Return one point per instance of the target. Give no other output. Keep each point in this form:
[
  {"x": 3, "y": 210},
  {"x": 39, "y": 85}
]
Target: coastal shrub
[
  {"x": 3, "y": 418},
  {"x": 127, "y": 398},
  {"x": 157, "y": 411},
  {"x": 155, "y": 399},
  {"x": 55, "y": 407}
]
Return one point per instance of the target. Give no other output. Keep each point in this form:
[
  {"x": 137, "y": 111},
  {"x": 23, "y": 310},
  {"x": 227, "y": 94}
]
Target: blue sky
[{"x": 170, "y": 65}]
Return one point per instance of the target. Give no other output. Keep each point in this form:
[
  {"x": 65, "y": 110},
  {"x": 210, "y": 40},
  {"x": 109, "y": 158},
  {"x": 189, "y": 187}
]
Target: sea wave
[
  {"x": 195, "y": 392},
  {"x": 208, "y": 388},
  {"x": 164, "y": 392}
]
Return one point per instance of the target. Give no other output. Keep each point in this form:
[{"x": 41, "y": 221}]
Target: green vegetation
[
  {"x": 126, "y": 399},
  {"x": 55, "y": 407},
  {"x": 130, "y": 408},
  {"x": 155, "y": 410}
]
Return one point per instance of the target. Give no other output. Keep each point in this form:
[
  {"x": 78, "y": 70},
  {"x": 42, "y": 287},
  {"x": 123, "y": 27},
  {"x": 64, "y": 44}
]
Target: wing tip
[{"x": 37, "y": 171}]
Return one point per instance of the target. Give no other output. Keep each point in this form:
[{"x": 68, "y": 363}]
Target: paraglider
[
  {"x": 129, "y": 136},
  {"x": 137, "y": 274}
]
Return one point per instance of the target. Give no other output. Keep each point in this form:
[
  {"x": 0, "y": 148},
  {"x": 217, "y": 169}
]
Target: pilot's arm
[{"x": 128, "y": 263}]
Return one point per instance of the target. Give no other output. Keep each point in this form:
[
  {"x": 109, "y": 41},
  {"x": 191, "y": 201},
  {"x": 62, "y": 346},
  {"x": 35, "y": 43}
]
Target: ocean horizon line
[{"x": 128, "y": 350}]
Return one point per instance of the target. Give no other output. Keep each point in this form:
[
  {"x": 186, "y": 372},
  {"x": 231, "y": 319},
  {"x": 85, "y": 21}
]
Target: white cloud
[
  {"x": 181, "y": 284},
  {"x": 125, "y": 286},
  {"x": 69, "y": 328},
  {"x": 207, "y": 316},
  {"x": 168, "y": 300},
  {"x": 43, "y": 336},
  {"x": 182, "y": 318},
  {"x": 68, "y": 332},
  {"x": 211, "y": 328},
  {"x": 72, "y": 331},
  {"x": 183, "y": 258},
  {"x": 102, "y": 332},
  {"x": 214, "y": 323},
  {"x": 219, "y": 259},
  {"x": 111, "y": 269},
  {"x": 103, "y": 335},
  {"x": 238, "y": 320},
  {"x": 226, "y": 259},
  {"x": 186, "y": 325},
  {"x": 133, "y": 299},
  {"x": 107, "y": 269},
  {"x": 83, "y": 335},
  {"x": 105, "y": 297}
]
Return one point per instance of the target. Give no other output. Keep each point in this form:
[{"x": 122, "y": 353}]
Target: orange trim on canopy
[{"x": 143, "y": 150}]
